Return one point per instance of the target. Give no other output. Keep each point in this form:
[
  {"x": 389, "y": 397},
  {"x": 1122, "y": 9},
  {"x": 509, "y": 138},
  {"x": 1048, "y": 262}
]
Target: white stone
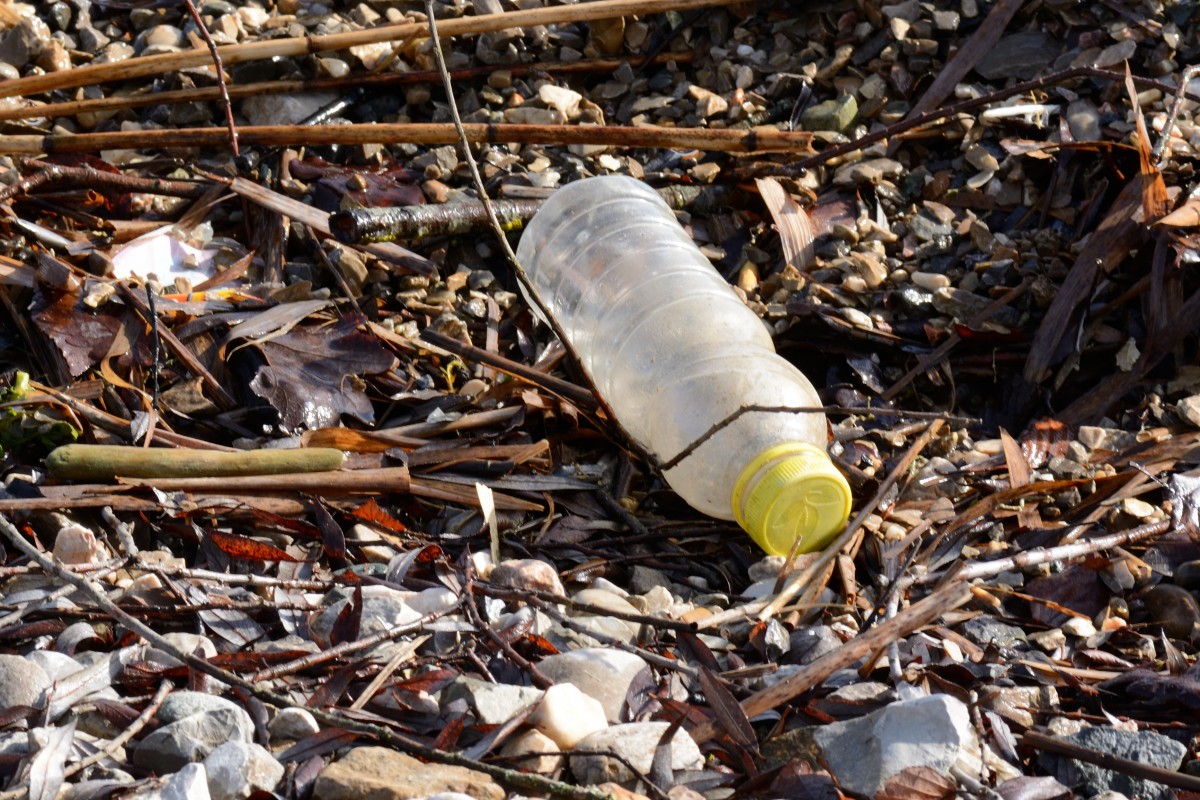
[
  {"x": 563, "y": 100},
  {"x": 602, "y": 673},
  {"x": 567, "y": 715},
  {"x": 238, "y": 769},
  {"x": 293, "y": 723},
  {"x": 540, "y": 752},
  {"x": 188, "y": 783},
  {"x": 1078, "y": 626},
  {"x": 75, "y": 544}
]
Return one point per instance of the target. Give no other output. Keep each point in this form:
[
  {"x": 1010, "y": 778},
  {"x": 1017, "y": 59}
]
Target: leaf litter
[{"x": 984, "y": 253}]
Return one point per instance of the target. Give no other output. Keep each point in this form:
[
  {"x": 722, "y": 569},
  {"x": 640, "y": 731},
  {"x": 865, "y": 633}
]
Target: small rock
[
  {"x": 24, "y": 41},
  {"x": 1172, "y": 608},
  {"x": 287, "y": 108},
  {"x": 190, "y": 643},
  {"x": 862, "y": 754},
  {"x": 872, "y": 170},
  {"x": 636, "y": 743},
  {"x": 1048, "y": 641},
  {"x": 1105, "y": 438},
  {"x": 1019, "y": 704},
  {"x": 931, "y": 281},
  {"x": 21, "y": 681},
  {"x": 160, "y": 36},
  {"x": 1019, "y": 55},
  {"x": 831, "y": 115},
  {"x": 564, "y": 101},
  {"x": 1189, "y": 409},
  {"x": 1081, "y": 627},
  {"x": 600, "y": 672},
  {"x": 383, "y": 774},
  {"x": 384, "y": 609},
  {"x": 492, "y": 703},
  {"x": 809, "y": 644},
  {"x": 530, "y": 115},
  {"x": 238, "y": 769},
  {"x": 1142, "y": 747},
  {"x": 293, "y": 723},
  {"x": 1083, "y": 118},
  {"x": 195, "y": 725},
  {"x": 985, "y": 630},
  {"x": 533, "y": 751},
  {"x": 528, "y": 573},
  {"x": 1115, "y": 54},
  {"x": 75, "y": 544},
  {"x": 566, "y": 715},
  {"x": 188, "y": 783}
]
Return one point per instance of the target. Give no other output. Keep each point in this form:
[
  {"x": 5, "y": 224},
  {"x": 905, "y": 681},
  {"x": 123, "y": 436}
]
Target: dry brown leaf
[
  {"x": 1186, "y": 216},
  {"x": 795, "y": 229},
  {"x": 917, "y": 783}
]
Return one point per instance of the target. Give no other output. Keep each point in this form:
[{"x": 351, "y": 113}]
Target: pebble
[
  {"x": 528, "y": 573},
  {"x": 190, "y": 643},
  {"x": 531, "y": 115},
  {"x": 1083, "y": 118},
  {"x": 1189, "y": 410},
  {"x": 24, "y": 41},
  {"x": 831, "y": 115},
  {"x": 985, "y": 630},
  {"x": 292, "y": 723},
  {"x": 1172, "y": 608},
  {"x": 540, "y": 753},
  {"x": 600, "y": 672},
  {"x": 566, "y": 715},
  {"x": 195, "y": 724},
  {"x": 236, "y": 770},
  {"x": 286, "y": 108},
  {"x": 384, "y": 774},
  {"x": 930, "y": 281},
  {"x": 635, "y": 742},
  {"x": 1143, "y": 747},
  {"x": 188, "y": 783},
  {"x": 21, "y": 681},
  {"x": 492, "y": 703},
  {"x": 862, "y": 754},
  {"x": 564, "y": 101},
  {"x": 1081, "y": 627},
  {"x": 872, "y": 170}
]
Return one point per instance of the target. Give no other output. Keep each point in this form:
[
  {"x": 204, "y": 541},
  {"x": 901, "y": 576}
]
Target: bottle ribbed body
[{"x": 664, "y": 338}]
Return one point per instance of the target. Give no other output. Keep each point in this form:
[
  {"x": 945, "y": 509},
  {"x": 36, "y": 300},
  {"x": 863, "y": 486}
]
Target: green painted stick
[{"x": 104, "y": 462}]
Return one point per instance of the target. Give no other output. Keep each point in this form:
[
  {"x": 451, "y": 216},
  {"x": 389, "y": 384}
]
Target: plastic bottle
[{"x": 674, "y": 351}]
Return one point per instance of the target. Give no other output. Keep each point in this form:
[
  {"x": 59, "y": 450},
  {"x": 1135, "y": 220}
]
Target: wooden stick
[
  {"x": 714, "y": 139},
  {"x": 99, "y": 462},
  {"x": 71, "y": 108},
  {"x": 305, "y": 45}
]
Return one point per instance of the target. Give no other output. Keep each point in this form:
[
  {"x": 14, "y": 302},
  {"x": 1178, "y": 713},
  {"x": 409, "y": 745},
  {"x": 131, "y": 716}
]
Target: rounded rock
[{"x": 21, "y": 681}]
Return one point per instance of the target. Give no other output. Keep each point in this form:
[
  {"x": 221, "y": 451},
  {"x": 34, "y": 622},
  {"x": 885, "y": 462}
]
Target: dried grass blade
[{"x": 792, "y": 222}]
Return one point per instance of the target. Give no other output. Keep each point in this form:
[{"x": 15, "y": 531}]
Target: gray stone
[
  {"x": 1083, "y": 118},
  {"x": 862, "y": 754},
  {"x": 1020, "y": 55},
  {"x": 635, "y": 742},
  {"x": 237, "y": 769},
  {"x": 188, "y": 783},
  {"x": 285, "y": 109},
  {"x": 831, "y": 115},
  {"x": 855, "y": 700},
  {"x": 382, "y": 774},
  {"x": 384, "y": 609},
  {"x": 985, "y": 630},
  {"x": 57, "y": 665},
  {"x": 195, "y": 724},
  {"x": 598, "y": 672},
  {"x": 21, "y": 681},
  {"x": 872, "y": 170},
  {"x": 493, "y": 703},
  {"x": 24, "y": 41},
  {"x": 809, "y": 644},
  {"x": 1144, "y": 747},
  {"x": 293, "y": 723}
]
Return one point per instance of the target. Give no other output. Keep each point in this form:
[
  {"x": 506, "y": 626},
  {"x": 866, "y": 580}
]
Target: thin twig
[{"x": 219, "y": 68}]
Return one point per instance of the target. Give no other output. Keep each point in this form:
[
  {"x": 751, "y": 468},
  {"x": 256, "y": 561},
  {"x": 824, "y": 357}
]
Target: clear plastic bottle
[{"x": 674, "y": 351}]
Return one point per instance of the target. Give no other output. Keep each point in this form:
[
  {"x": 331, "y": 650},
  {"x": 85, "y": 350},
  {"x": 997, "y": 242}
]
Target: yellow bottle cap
[{"x": 791, "y": 492}]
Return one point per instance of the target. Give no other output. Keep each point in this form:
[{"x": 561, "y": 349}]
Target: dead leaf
[
  {"x": 795, "y": 229},
  {"x": 1186, "y": 216},
  {"x": 246, "y": 548},
  {"x": 917, "y": 783},
  {"x": 82, "y": 335},
  {"x": 371, "y": 513},
  {"x": 1026, "y": 787},
  {"x": 47, "y": 773},
  {"x": 311, "y": 377},
  {"x": 1077, "y": 588},
  {"x": 730, "y": 716}
]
